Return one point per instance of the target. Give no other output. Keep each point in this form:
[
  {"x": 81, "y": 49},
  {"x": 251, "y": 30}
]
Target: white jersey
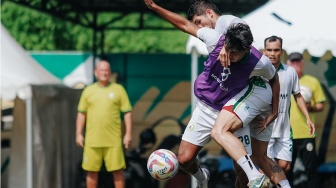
[
  {"x": 211, "y": 37},
  {"x": 223, "y": 23},
  {"x": 289, "y": 84}
]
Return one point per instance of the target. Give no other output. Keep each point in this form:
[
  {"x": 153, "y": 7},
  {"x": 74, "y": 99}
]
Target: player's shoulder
[
  {"x": 265, "y": 63},
  {"x": 264, "y": 60},
  {"x": 90, "y": 87},
  {"x": 288, "y": 68},
  {"x": 226, "y": 18},
  {"x": 310, "y": 78},
  {"x": 116, "y": 86},
  {"x": 206, "y": 31},
  {"x": 209, "y": 36}
]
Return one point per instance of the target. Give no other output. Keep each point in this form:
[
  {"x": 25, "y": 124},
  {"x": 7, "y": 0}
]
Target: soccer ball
[
  {"x": 162, "y": 164},
  {"x": 306, "y": 93}
]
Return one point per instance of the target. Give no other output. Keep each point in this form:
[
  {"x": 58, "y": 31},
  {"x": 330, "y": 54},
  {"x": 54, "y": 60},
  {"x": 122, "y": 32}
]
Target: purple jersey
[{"x": 216, "y": 87}]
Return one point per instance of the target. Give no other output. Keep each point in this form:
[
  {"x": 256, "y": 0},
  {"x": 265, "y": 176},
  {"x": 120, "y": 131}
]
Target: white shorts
[
  {"x": 198, "y": 131},
  {"x": 243, "y": 134},
  {"x": 250, "y": 102},
  {"x": 253, "y": 100},
  {"x": 280, "y": 148}
]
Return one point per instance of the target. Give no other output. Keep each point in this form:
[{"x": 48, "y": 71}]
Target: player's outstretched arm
[{"x": 176, "y": 20}]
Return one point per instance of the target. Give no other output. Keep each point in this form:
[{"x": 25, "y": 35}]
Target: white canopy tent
[
  {"x": 18, "y": 68},
  {"x": 18, "y": 71},
  {"x": 303, "y": 25},
  {"x": 82, "y": 74}
]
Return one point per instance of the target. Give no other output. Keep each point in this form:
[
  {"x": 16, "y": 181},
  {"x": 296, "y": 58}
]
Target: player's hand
[
  {"x": 224, "y": 58},
  {"x": 80, "y": 140},
  {"x": 149, "y": 3},
  {"x": 259, "y": 122},
  {"x": 311, "y": 126},
  {"x": 127, "y": 141},
  {"x": 263, "y": 123}
]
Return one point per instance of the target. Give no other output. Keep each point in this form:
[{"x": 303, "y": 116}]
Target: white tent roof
[
  {"x": 82, "y": 74},
  {"x": 303, "y": 25},
  {"x": 18, "y": 68},
  {"x": 196, "y": 43}
]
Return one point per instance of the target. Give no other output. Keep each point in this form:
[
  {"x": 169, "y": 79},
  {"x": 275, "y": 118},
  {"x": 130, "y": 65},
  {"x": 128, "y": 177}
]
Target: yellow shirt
[
  {"x": 300, "y": 129},
  {"x": 102, "y": 106}
]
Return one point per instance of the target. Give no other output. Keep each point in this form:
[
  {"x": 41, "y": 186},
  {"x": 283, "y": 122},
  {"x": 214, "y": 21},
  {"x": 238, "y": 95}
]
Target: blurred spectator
[
  {"x": 99, "y": 108},
  {"x": 304, "y": 146}
]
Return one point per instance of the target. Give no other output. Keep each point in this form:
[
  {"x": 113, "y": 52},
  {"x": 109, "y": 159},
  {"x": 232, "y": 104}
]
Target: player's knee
[
  {"x": 185, "y": 161},
  {"x": 216, "y": 134}
]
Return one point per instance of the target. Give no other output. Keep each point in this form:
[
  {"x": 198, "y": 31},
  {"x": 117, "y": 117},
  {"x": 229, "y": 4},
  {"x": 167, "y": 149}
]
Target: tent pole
[
  {"x": 194, "y": 71},
  {"x": 29, "y": 138},
  {"x": 94, "y": 42}
]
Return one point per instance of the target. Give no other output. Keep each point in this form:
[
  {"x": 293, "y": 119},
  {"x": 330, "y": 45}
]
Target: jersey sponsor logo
[
  {"x": 283, "y": 96},
  {"x": 224, "y": 76}
]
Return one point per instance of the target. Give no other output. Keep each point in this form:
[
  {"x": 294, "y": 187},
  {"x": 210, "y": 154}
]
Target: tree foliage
[{"x": 37, "y": 31}]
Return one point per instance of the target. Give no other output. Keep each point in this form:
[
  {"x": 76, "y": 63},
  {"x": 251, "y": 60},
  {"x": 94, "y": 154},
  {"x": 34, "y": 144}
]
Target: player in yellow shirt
[
  {"x": 303, "y": 135},
  {"x": 99, "y": 109}
]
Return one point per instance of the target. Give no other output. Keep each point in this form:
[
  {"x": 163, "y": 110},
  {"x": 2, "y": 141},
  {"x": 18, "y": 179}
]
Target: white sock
[
  {"x": 199, "y": 176},
  {"x": 249, "y": 168},
  {"x": 284, "y": 184}
]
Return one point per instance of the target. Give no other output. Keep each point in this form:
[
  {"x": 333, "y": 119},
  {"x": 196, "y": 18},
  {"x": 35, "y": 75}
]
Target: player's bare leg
[
  {"x": 187, "y": 157},
  {"x": 267, "y": 165},
  {"x": 226, "y": 124},
  {"x": 188, "y": 162},
  {"x": 92, "y": 180},
  {"x": 241, "y": 178},
  {"x": 119, "y": 179},
  {"x": 285, "y": 165}
]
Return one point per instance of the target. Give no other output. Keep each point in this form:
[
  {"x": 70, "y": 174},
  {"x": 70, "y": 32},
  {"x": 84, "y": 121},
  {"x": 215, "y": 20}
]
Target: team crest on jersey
[
  {"x": 191, "y": 127},
  {"x": 225, "y": 74},
  {"x": 111, "y": 95}
]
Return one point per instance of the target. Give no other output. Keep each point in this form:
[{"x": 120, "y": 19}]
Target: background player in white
[
  {"x": 280, "y": 146},
  {"x": 209, "y": 89}
]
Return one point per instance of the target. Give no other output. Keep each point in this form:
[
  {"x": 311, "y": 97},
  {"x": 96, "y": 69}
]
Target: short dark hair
[
  {"x": 238, "y": 37},
  {"x": 273, "y": 39},
  {"x": 198, "y": 7}
]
